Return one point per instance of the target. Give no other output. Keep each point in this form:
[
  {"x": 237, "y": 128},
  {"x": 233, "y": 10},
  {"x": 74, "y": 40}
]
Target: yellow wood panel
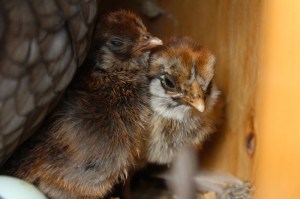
[{"x": 278, "y": 174}]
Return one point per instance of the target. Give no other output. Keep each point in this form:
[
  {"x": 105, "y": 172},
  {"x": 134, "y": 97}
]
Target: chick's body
[
  {"x": 92, "y": 139},
  {"x": 184, "y": 99}
]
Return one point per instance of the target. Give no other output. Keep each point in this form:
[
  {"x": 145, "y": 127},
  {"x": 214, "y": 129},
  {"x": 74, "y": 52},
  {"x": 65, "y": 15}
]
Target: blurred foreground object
[
  {"x": 42, "y": 44},
  {"x": 14, "y": 188},
  {"x": 184, "y": 181}
]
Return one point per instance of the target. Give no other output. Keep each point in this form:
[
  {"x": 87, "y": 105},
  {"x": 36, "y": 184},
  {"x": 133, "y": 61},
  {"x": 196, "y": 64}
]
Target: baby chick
[
  {"x": 186, "y": 107},
  {"x": 183, "y": 99},
  {"x": 92, "y": 139}
]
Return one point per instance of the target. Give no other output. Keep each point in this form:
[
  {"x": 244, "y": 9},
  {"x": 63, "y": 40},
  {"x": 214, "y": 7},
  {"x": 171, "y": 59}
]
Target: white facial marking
[{"x": 164, "y": 105}]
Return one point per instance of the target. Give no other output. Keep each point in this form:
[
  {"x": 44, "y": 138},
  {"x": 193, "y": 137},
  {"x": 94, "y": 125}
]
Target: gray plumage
[{"x": 43, "y": 42}]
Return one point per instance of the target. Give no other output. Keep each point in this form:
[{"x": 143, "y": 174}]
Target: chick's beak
[
  {"x": 195, "y": 97},
  {"x": 151, "y": 43}
]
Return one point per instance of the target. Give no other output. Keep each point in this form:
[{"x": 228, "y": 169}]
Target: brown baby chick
[
  {"x": 183, "y": 99},
  {"x": 186, "y": 107},
  {"x": 92, "y": 139}
]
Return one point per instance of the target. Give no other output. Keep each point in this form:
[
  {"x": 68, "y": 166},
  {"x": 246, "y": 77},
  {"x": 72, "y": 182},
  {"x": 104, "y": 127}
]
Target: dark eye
[
  {"x": 167, "y": 82},
  {"x": 116, "y": 43}
]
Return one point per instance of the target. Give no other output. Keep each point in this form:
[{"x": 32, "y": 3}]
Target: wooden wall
[{"x": 278, "y": 173}]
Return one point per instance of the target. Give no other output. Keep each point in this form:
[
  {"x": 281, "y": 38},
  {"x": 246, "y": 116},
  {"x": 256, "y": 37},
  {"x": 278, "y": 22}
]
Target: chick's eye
[
  {"x": 167, "y": 82},
  {"x": 116, "y": 43}
]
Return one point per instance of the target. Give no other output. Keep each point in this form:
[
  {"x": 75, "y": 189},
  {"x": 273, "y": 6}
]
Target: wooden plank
[{"x": 278, "y": 173}]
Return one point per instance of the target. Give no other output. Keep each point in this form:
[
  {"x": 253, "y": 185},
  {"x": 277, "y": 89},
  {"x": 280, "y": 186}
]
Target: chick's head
[
  {"x": 181, "y": 75},
  {"x": 123, "y": 40}
]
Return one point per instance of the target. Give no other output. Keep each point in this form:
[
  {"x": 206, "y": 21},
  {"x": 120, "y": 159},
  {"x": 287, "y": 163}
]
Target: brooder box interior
[{"x": 257, "y": 48}]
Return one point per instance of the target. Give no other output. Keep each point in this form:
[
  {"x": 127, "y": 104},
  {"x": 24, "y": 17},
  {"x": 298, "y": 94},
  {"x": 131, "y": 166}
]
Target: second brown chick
[
  {"x": 184, "y": 99},
  {"x": 187, "y": 108},
  {"x": 92, "y": 139}
]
